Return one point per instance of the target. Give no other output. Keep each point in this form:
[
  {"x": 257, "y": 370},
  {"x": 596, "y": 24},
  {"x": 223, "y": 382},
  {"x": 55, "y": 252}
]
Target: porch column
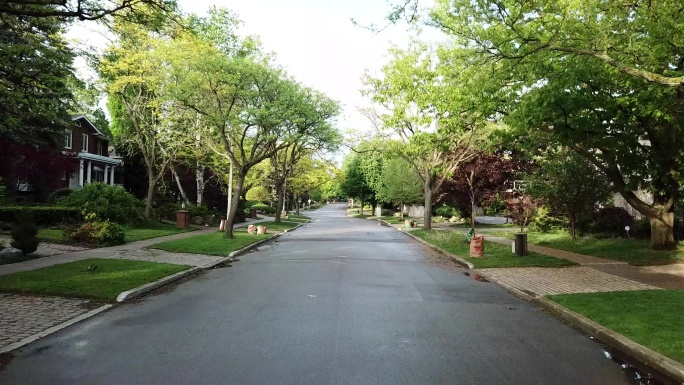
[
  {"x": 111, "y": 177},
  {"x": 90, "y": 172},
  {"x": 106, "y": 174},
  {"x": 80, "y": 173}
]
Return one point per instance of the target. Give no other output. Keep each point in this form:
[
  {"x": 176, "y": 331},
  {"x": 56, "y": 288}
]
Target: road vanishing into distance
[{"x": 338, "y": 301}]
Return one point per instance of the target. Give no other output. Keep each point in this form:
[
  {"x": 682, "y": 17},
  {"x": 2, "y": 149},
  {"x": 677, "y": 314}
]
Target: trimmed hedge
[
  {"x": 43, "y": 215},
  {"x": 266, "y": 209}
]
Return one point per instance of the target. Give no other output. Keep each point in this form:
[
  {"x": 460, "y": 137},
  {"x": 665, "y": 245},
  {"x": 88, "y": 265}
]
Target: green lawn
[
  {"x": 153, "y": 229},
  {"x": 297, "y": 218},
  {"x": 632, "y": 251},
  {"x": 150, "y": 229},
  {"x": 652, "y": 318},
  {"x": 50, "y": 235},
  {"x": 210, "y": 244},
  {"x": 483, "y": 225},
  {"x": 106, "y": 282},
  {"x": 495, "y": 255}
]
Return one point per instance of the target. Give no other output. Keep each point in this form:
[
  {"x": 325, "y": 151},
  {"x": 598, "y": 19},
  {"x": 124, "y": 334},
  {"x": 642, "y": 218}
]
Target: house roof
[{"x": 83, "y": 117}]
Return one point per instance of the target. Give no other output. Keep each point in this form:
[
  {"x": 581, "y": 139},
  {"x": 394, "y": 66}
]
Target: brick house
[{"x": 97, "y": 162}]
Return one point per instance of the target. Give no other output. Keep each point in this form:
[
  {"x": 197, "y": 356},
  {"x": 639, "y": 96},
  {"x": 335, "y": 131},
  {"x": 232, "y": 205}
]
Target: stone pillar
[
  {"x": 90, "y": 172},
  {"x": 80, "y": 173},
  {"x": 111, "y": 176},
  {"x": 106, "y": 174}
]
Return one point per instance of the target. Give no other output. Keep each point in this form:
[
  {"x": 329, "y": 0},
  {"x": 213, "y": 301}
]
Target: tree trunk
[
  {"x": 280, "y": 192},
  {"x": 199, "y": 179},
  {"x": 180, "y": 186},
  {"x": 296, "y": 199},
  {"x": 662, "y": 232},
  {"x": 234, "y": 204},
  {"x": 573, "y": 228},
  {"x": 427, "y": 214},
  {"x": 151, "y": 182},
  {"x": 472, "y": 211},
  {"x": 361, "y": 207}
]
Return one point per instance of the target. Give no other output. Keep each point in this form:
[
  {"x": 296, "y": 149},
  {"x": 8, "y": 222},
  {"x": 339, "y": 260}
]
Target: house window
[
  {"x": 99, "y": 148},
  {"x": 85, "y": 143},
  {"x": 68, "y": 139}
]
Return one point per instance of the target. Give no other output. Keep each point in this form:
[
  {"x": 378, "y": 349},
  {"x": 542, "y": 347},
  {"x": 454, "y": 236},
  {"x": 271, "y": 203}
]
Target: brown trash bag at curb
[{"x": 477, "y": 246}]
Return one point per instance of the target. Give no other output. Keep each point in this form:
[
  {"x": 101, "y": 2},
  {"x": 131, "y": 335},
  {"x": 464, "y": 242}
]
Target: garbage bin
[
  {"x": 520, "y": 244},
  {"x": 252, "y": 213}
]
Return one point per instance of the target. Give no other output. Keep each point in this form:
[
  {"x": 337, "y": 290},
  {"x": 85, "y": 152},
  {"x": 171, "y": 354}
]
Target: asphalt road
[{"x": 339, "y": 301}]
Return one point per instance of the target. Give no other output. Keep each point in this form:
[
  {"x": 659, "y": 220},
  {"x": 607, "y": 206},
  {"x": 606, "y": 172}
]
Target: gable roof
[{"x": 83, "y": 117}]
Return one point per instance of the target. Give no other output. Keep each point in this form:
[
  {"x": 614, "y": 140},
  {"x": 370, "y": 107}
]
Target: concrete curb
[
  {"x": 54, "y": 329},
  {"x": 140, "y": 290},
  {"x": 655, "y": 360}
]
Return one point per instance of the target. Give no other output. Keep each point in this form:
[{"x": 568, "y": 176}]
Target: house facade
[{"x": 90, "y": 147}]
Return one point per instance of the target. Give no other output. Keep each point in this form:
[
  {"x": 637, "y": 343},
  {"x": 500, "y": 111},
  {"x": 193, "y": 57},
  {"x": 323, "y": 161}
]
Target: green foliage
[
  {"x": 259, "y": 194},
  {"x": 398, "y": 183},
  {"x": 24, "y": 231},
  {"x": 447, "y": 211},
  {"x": 544, "y": 223},
  {"x": 609, "y": 222},
  {"x": 35, "y": 63},
  {"x": 570, "y": 185},
  {"x": 266, "y": 209},
  {"x": 106, "y": 202},
  {"x": 211, "y": 244},
  {"x": 100, "y": 233},
  {"x": 202, "y": 211},
  {"x": 43, "y": 215},
  {"x": 3, "y": 189},
  {"x": 58, "y": 194}
]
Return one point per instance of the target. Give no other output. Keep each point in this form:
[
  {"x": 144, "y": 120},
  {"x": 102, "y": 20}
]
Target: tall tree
[
  {"x": 35, "y": 70},
  {"x": 85, "y": 9},
  {"x": 602, "y": 78},
  {"x": 399, "y": 184},
  {"x": 570, "y": 185},
  {"x": 355, "y": 183},
  {"x": 132, "y": 71}
]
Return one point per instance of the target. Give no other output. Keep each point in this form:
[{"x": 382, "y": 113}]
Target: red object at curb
[{"x": 477, "y": 246}]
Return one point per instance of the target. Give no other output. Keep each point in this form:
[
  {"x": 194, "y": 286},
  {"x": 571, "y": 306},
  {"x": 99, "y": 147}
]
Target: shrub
[
  {"x": 446, "y": 211},
  {"x": 43, "y": 215},
  {"x": 249, "y": 203},
  {"x": 642, "y": 228},
  {"x": 101, "y": 233},
  {"x": 201, "y": 211},
  {"x": 59, "y": 194},
  {"x": 266, "y": 209},
  {"x": 24, "y": 233},
  {"x": 611, "y": 221},
  {"x": 546, "y": 223},
  {"x": 107, "y": 202}
]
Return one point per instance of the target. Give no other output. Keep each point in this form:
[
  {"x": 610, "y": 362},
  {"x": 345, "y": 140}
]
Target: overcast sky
[
  {"x": 314, "y": 40},
  {"x": 318, "y": 44}
]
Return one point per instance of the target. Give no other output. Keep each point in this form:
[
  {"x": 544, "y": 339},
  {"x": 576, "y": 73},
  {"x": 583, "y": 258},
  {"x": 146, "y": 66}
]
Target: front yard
[
  {"x": 633, "y": 251},
  {"x": 150, "y": 229},
  {"x": 652, "y": 318},
  {"x": 100, "y": 279},
  {"x": 495, "y": 255},
  {"x": 211, "y": 244}
]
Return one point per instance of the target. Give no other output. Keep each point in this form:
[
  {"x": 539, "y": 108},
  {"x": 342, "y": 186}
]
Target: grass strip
[
  {"x": 633, "y": 251},
  {"x": 211, "y": 244},
  {"x": 651, "y": 317},
  {"x": 495, "y": 255},
  {"x": 101, "y": 279}
]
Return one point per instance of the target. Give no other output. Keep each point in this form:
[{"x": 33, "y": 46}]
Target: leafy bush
[
  {"x": 438, "y": 219},
  {"x": 611, "y": 221},
  {"x": 107, "y": 202},
  {"x": 249, "y": 203},
  {"x": 43, "y": 215},
  {"x": 201, "y": 211},
  {"x": 546, "y": 223},
  {"x": 24, "y": 232},
  {"x": 59, "y": 194},
  {"x": 266, "y": 209},
  {"x": 101, "y": 233},
  {"x": 446, "y": 211},
  {"x": 642, "y": 228}
]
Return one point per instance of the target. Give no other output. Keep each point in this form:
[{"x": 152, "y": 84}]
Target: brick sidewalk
[{"x": 22, "y": 316}]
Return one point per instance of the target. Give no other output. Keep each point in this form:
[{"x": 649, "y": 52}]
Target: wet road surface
[{"x": 339, "y": 301}]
